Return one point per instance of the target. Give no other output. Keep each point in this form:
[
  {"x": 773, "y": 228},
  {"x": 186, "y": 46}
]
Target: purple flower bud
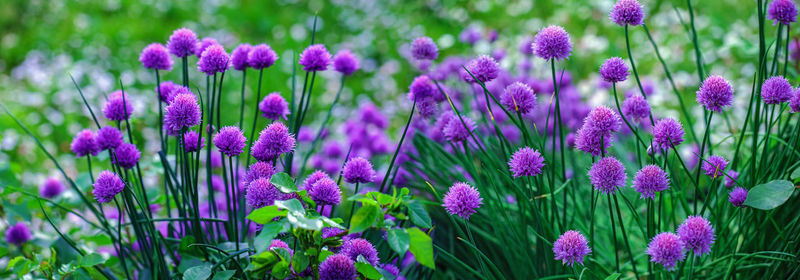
[
  {"x": 325, "y": 191},
  {"x": 590, "y": 141},
  {"x": 156, "y": 56},
  {"x": 627, "y": 12},
  {"x": 51, "y": 188},
  {"x": 261, "y": 56},
  {"x": 214, "y": 60},
  {"x": 649, "y": 180},
  {"x": 230, "y": 141},
  {"x": 715, "y": 94},
  {"x": 730, "y": 180},
  {"x": 18, "y": 234},
  {"x": 552, "y": 42},
  {"x": 571, "y": 247},
  {"x": 191, "y": 143},
  {"x": 604, "y": 120},
  {"x": 614, "y": 70},
  {"x": 423, "y": 48},
  {"x": 470, "y": 35},
  {"x": 118, "y": 107},
  {"x": 345, "y": 62},
  {"x": 526, "y": 47},
  {"x": 274, "y": 107},
  {"x": 315, "y": 58},
  {"x": 776, "y": 90},
  {"x": 108, "y": 137},
  {"x": 462, "y": 200},
  {"x": 182, "y": 42},
  {"x": 84, "y": 144},
  {"x": 239, "y": 57},
  {"x": 182, "y": 113},
  {"x": 107, "y": 186},
  {"x": 273, "y": 141},
  {"x": 126, "y": 155},
  {"x": 714, "y": 166},
  {"x": 737, "y": 196},
  {"x": 783, "y": 11}
]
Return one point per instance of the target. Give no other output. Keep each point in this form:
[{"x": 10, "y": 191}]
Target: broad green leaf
[
  {"x": 284, "y": 182},
  {"x": 301, "y": 221},
  {"x": 200, "y": 272},
  {"x": 280, "y": 270},
  {"x": 188, "y": 262},
  {"x": 299, "y": 261},
  {"x": 265, "y": 214},
  {"x": 293, "y": 205},
  {"x": 399, "y": 240},
  {"x": 769, "y": 195},
  {"x": 382, "y": 198},
  {"x": 422, "y": 247},
  {"x": 224, "y": 275},
  {"x": 796, "y": 174},
  {"x": 268, "y": 232},
  {"x": 283, "y": 253},
  {"x": 418, "y": 214},
  {"x": 368, "y": 270},
  {"x": 324, "y": 255},
  {"x": 331, "y": 223},
  {"x": 365, "y": 217},
  {"x": 91, "y": 260}
]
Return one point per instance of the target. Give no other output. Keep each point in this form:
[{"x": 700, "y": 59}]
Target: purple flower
[
  {"x": 697, "y": 235},
  {"x": 730, "y": 180},
  {"x": 715, "y": 94},
  {"x": 392, "y": 269},
  {"x": 526, "y": 47},
  {"x": 783, "y": 11},
  {"x": 214, "y": 60},
  {"x": 636, "y": 108},
  {"x": 456, "y": 131},
  {"x": 526, "y": 162},
  {"x": 518, "y": 97},
  {"x": 714, "y": 166},
  {"x": 345, "y": 62},
  {"x": 118, "y": 107},
  {"x": 423, "y": 48},
  {"x": 794, "y": 103},
  {"x": 239, "y": 56},
  {"x": 277, "y": 243},
  {"x": 313, "y": 178},
  {"x": 462, "y": 200},
  {"x": 627, "y": 12},
  {"x": 607, "y": 174},
  {"x": 422, "y": 87},
  {"x": 107, "y": 185},
  {"x": 156, "y": 56},
  {"x": 649, "y": 180},
  {"x": 737, "y": 196},
  {"x": 126, "y": 155},
  {"x": 571, "y": 247},
  {"x": 230, "y": 141},
  {"x": 604, "y": 120},
  {"x": 261, "y": 56},
  {"x": 614, "y": 70},
  {"x": 590, "y": 141},
  {"x": 360, "y": 247},
  {"x": 325, "y": 191},
  {"x": 84, "y": 144},
  {"x": 332, "y": 149},
  {"x": 483, "y": 67},
  {"x": 315, "y": 58},
  {"x": 776, "y": 90},
  {"x": 166, "y": 91},
  {"x": 18, "y": 234},
  {"x": 203, "y": 45},
  {"x": 358, "y": 170},
  {"x": 469, "y": 35},
  {"x": 182, "y": 42},
  {"x": 260, "y": 193},
  {"x": 274, "y": 107},
  {"x": 51, "y": 188},
  {"x": 427, "y": 108},
  {"x": 191, "y": 142},
  {"x": 337, "y": 267},
  {"x": 182, "y": 113},
  {"x": 259, "y": 170},
  {"x": 552, "y": 42},
  {"x": 666, "y": 249},
  {"x": 273, "y": 141},
  {"x": 667, "y": 133}
]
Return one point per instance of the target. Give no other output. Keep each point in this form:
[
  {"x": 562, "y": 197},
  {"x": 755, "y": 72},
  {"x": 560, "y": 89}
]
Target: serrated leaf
[
  {"x": 200, "y": 272},
  {"x": 365, "y": 217},
  {"x": 398, "y": 239},
  {"x": 266, "y": 214},
  {"x": 293, "y": 205},
  {"x": 368, "y": 270},
  {"x": 224, "y": 275},
  {"x": 769, "y": 195},
  {"x": 422, "y": 247},
  {"x": 418, "y": 214},
  {"x": 284, "y": 182}
]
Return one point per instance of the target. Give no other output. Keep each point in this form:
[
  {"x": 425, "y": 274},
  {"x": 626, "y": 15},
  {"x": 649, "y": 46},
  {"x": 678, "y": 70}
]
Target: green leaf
[
  {"x": 300, "y": 261},
  {"x": 301, "y": 221},
  {"x": 293, "y": 205},
  {"x": 268, "y": 232},
  {"x": 368, "y": 270},
  {"x": 614, "y": 276},
  {"x": 184, "y": 246},
  {"x": 796, "y": 174},
  {"x": 265, "y": 214},
  {"x": 91, "y": 260},
  {"x": 382, "y": 198},
  {"x": 331, "y": 223},
  {"x": 3, "y": 251},
  {"x": 418, "y": 214},
  {"x": 280, "y": 270},
  {"x": 365, "y": 217},
  {"x": 8, "y": 178},
  {"x": 224, "y": 275},
  {"x": 200, "y": 272},
  {"x": 188, "y": 262},
  {"x": 399, "y": 240},
  {"x": 284, "y": 182},
  {"x": 770, "y": 195},
  {"x": 324, "y": 255},
  {"x": 422, "y": 247}
]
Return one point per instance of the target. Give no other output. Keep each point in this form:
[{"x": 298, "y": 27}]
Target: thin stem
[
  {"x": 352, "y": 206},
  {"x": 255, "y": 119},
  {"x": 613, "y": 231}
]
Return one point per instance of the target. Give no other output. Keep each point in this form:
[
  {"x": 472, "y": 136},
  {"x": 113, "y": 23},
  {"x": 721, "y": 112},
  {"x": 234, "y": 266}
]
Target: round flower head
[
  {"x": 525, "y": 48},
  {"x": 590, "y": 140},
  {"x": 84, "y": 144},
  {"x": 274, "y": 107},
  {"x": 714, "y": 166},
  {"x": 635, "y": 107},
  {"x": 697, "y": 235},
  {"x": 426, "y": 108},
  {"x": 794, "y": 103},
  {"x": 337, "y": 267},
  {"x": 325, "y": 191},
  {"x": 191, "y": 142},
  {"x": 469, "y": 35},
  {"x": 737, "y": 196},
  {"x": 156, "y": 56},
  {"x": 360, "y": 247},
  {"x": 313, "y": 178},
  {"x": 18, "y": 234},
  {"x": 526, "y": 162},
  {"x": 260, "y": 193},
  {"x": 259, "y": 170},
  {"x": 107, "y": 185},
  {"x": 166, "y": 91},
  {"x": 571, "y": 247},
  {"x": 203, "y": 45},
  {"x": 126, "y": 155},
  {"x": 277, "y": 243},
  {"x": 51, "y": 188},
  {"x": 518, "y": 97},
  {"x": 552, "y": 42},
  {"x": 649, "y": 180},
  {"x": 423, "y": 48},
  {"x": 604, "y": 120},
  {"x": 214, "y": 60},
  {"x": 667, "y": 133},
  {"x": 462, "y": 200},
  {"x": 422, "y": 87},
  {"x": 456, "y": 131},
  {"x": 261, "y": 56},
  {"x": 345, "y": 62},
  {"x": 239, "y": 56},
  {"x": 627, "y": 12},
  {"x": 614, "y": 70},
  {"x": 483, "y": 67},
  {"x": 783, "y": 11},
  {"x": 358, "y": 170},
  {"x": 730, "y": 180},
  {"x": 715, "y": 94},
  {"x": 666, "y": 249},
  {"x": 776, "y": 90},
  {"x": 118, "y": 106},
  {"x": 182, "y": 42},
  {"x": 607, "y": 174},
  {"x": 230, "y": 141},
  {"x": 315, "y": 58},
  {"x": 182, "y": 113},
  {"x": 272, "y": 142}
]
